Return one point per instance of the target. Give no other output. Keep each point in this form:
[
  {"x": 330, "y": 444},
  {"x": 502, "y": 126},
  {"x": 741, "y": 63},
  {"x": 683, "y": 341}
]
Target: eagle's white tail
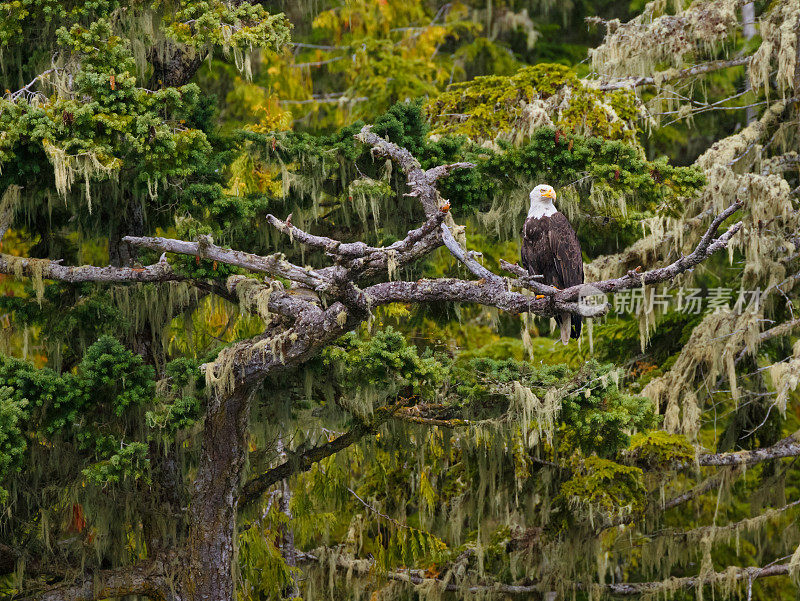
[{"x": 566, "y": 327}]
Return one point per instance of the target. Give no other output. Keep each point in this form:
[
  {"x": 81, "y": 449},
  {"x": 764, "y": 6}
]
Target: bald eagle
[{"x": 551, "y": 249}]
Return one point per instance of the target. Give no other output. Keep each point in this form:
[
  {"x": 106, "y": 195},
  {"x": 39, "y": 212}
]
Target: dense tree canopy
[{"x": 264, "y": 331}]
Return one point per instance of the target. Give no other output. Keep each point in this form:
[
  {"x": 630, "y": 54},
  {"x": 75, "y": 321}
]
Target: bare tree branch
[
  {"x": 707, "y": 246},
  {"x": 777, "y": 451},
  {"x": 490, "y": 291},
  {"x": 697, "y": 533},
  {"x": 422, "y": 184},
  {"x": 526, "y": 280},
  {"x": 363, "y": 567},
  {"x": 689, "y": 582},
  {"x": 317, "y": 63},
  {"x": 365, "y": 261},
  {"x": 482, "y": 292}
]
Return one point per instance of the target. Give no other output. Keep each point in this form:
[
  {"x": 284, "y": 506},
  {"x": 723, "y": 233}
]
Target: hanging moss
[
  {"x": 794, "y": 566},
  {"x": 779, "y": 45},
  {"x": 785, "y": 378},
  {"x": 656, "y": 37},
  {"x": 254, "y": 295}
]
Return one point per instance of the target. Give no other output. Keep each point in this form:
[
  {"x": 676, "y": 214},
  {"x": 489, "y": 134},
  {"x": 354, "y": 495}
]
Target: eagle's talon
[{"x": 539, "y": 296}]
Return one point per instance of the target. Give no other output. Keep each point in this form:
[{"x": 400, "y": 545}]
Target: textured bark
[
  {"x": 53, "y": 270},
  {"x": 168, "y": 488},
  {"x": 368, "y": 262},
  {"x": 205, "y": 248},
  {"x": 174, "y": 66},
  {"x": 778, "y": 451},
  {"x": 208, "y": 574}
]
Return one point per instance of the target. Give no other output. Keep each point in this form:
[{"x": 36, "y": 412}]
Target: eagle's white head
[{"x": 542, "y": 197}]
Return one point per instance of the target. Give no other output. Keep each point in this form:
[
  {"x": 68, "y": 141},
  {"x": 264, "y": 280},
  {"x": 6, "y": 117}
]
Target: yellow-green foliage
[
  {"x": 264, "y": 572},
  {"x": 605, "y": 487},
  {"x": 794, "y": 566},
  {"x": 541, "y": 95},
  {"x": 659, "y": 449}
]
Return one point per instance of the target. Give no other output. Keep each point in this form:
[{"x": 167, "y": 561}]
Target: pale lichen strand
[
  {"x": 778, "y": 48},
  {"x": 785, "y": 378},
  {"x": 655, "y": 37},
  {"x": 36, "y": 275},
  {"x": 794, "y": 566},
  {"x": 88, "y": 165},
  {"x": 709, "y": 353},
  {"x": 254, "y": 295},
  {"x": 9, "y": 202}
]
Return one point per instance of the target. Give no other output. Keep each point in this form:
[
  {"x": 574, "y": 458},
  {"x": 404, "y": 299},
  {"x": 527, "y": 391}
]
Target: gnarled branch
[
  {"x": 707, "y": 246},
  {"x": 204, "y": 247},
  {"x": 417, "y": 577}
]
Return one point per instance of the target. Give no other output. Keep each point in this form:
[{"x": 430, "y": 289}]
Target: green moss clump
[
  {"x": 657, "y": 449},
  {"x": 493, "y": 106},
  {"x": 181, "y": 408},
  {"x": 605, "y": 487}
]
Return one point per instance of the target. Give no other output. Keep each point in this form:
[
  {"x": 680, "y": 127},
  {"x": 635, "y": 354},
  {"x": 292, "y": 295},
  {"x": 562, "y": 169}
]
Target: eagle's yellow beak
[{"x": 549, "y": 194}]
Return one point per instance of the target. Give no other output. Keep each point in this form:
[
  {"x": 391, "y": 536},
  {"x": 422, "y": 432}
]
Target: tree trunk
[
  {"x": 210, "y": 547},
  {"x": 288, "y": 550}
]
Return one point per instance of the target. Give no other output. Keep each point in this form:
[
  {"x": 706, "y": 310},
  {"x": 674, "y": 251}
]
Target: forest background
[{"x": 177, "y": 406}]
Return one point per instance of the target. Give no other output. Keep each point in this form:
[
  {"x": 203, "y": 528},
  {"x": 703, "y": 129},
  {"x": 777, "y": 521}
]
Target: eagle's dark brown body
[{"x": 551, "y": 249}]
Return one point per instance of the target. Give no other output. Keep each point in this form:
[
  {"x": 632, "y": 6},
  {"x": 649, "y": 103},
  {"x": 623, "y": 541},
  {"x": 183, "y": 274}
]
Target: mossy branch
[
  {"x": 53, "y": 270},
  {"x": 491, "y": 289},
  {"x": 302, "y": 462},
  {"x": 707, "y": 246},
  {"x": 673, "y": 75},
  {"x": 365, "y": 261},
  {"x": 363, "y": 567},
  {"x": 146, "y": 578}
]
